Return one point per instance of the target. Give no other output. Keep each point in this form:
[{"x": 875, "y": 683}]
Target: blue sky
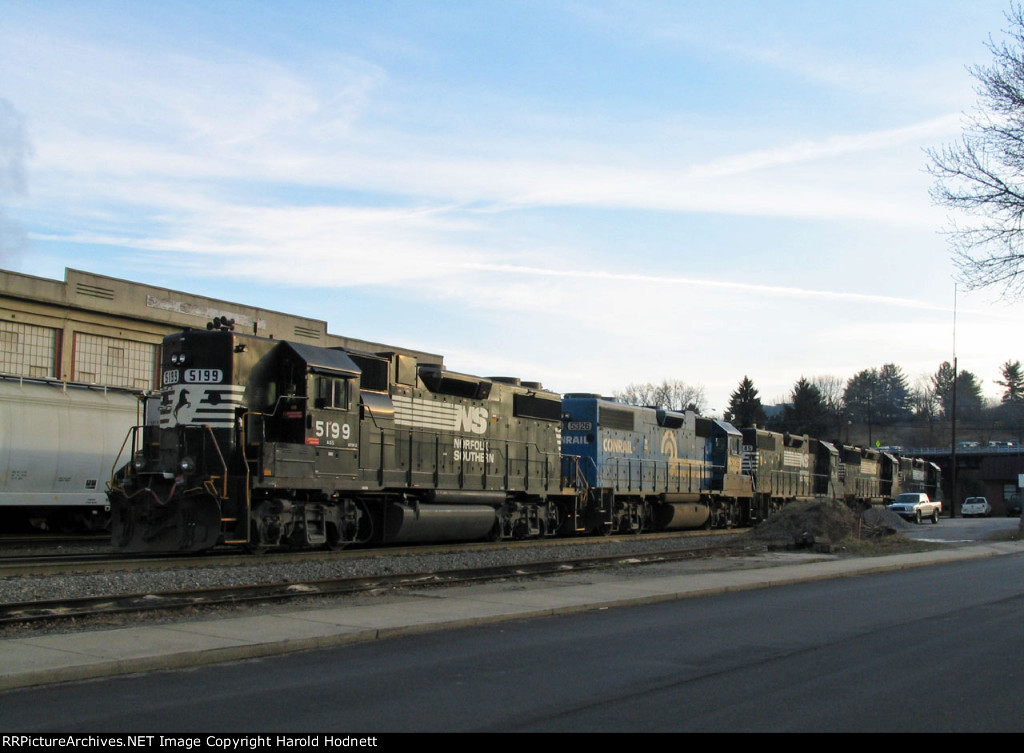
[{"x": 586, "y": 194}]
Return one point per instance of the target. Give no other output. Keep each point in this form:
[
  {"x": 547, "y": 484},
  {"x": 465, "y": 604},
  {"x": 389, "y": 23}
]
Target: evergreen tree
[
  {"x": 968, "y": 391},
  {"x": 1013, "y": 381},
  {"x": 861, "y": 396},
  {"x": 1012, "y": 407},
  {"x": 807, "y": 412},
  {"x": 745, "y": 407},
  {"x": 943, "y": 389},
  {"x": 893, "y": 400},
  {"x": 878, "y": 396}
]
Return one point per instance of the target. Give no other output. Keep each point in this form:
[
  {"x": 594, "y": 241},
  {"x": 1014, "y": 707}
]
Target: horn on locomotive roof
[{"x": 222, "y": 323}]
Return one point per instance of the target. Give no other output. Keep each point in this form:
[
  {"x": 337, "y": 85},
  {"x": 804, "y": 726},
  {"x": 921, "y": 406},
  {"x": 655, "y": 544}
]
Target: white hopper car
[{"x": 58, "y": 445}]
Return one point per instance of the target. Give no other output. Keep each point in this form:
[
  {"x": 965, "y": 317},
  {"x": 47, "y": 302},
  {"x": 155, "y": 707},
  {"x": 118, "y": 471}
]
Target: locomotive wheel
[{"x": 253, "y": 546}]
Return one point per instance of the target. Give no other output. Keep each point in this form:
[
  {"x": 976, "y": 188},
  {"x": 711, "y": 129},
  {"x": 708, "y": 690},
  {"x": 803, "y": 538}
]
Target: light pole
[{"x": 952, "y": 479}]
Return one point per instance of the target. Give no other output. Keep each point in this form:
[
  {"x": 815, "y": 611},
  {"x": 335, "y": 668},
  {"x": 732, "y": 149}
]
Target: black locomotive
[{"x": 267, "y": 443}]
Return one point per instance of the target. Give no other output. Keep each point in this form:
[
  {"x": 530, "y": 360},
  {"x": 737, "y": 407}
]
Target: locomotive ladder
[{"x": 579, "y": 483}]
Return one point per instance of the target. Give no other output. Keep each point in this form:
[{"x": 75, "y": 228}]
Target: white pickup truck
[{"x": 916, "y": 506}]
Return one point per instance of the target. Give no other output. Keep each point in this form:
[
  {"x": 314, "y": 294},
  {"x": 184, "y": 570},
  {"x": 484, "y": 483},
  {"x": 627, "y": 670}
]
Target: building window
[
  {"x": 113, "y": 362},
  {"x": 27, "y": 350}
]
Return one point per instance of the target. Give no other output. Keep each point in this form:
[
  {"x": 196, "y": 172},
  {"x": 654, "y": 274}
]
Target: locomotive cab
[
  {"x": 240, "y": 417},
  {"x": 308, "y": 419}
]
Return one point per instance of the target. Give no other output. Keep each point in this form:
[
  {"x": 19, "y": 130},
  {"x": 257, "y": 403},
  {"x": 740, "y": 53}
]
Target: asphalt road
[
  {"x": 951, "y": 530},
  {"x": 927, "y": 649}
]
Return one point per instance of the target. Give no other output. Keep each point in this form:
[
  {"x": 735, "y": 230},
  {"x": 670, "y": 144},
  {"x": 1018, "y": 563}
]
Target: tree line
[
  {"x": 869, "y": 405},
  {"x": 876, "y": 400}
]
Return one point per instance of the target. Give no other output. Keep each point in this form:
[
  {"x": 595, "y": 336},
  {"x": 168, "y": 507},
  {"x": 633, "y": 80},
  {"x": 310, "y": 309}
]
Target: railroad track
[
  {"x": 54, "y": 611},
  {"x": 35, "y": 562},
  {"x": 52, "y": 539},
  {"x": 95, "y": 562}
]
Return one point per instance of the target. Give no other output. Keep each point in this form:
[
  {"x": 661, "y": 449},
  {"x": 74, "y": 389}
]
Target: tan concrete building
[{"x": 106, "y": 331}]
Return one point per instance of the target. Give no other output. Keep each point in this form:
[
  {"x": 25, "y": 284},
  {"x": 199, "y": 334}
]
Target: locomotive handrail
[
  {"x": 579, "y": 480},
  {"x": 580, "y": 470},
  {"x": 132, "y": 430},
  {"x": 277, "y": 404},
  {"x": 216, "y": 446},
  {"x": 246, "y": 460}
]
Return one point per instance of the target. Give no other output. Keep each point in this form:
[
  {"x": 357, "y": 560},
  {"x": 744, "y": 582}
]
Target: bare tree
[
  {"x": 923, "y": 399},
  {"x": 831, "y": 389},
  {"x": 982, "y": 175},
  {"x": 671, "y": 394}
]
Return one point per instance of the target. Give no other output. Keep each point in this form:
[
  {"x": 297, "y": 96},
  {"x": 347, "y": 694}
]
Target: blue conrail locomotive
[
  {"x": 266, "y": 443},
  {"x": 640, "y": 469}
]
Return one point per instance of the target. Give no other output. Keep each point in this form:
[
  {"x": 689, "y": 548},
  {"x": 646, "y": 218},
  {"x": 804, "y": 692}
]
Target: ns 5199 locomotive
[{"x": 267, "y": 443}]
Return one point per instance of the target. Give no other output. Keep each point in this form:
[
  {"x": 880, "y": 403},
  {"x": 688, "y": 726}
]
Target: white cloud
[
  {"x": 321, "y": 175},
  {"x": 201, "y": 126}
]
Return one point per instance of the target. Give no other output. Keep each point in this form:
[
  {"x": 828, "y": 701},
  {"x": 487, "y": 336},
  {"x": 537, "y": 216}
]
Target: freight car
[
  {"x": 58, "y": 445},
  {"x": 268, "y": 443}
]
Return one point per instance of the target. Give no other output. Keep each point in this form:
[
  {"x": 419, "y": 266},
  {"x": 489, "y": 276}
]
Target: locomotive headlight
[
  {"x": 187, "y": 465},
  {"x": 139, "y": 462}
]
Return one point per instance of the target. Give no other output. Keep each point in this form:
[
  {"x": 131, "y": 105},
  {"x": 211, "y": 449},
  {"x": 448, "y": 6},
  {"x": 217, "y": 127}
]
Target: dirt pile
[{"x": 822, "y": 524}]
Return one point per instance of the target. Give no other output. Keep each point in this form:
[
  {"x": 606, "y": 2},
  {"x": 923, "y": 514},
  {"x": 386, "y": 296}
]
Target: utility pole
[{"x": 952, "y": 480}]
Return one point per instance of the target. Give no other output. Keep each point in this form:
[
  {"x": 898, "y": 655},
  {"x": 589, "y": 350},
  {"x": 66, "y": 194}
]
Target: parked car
[
  {"x": 916, "y": 506},
  {"x": 976, "y": 507}
]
